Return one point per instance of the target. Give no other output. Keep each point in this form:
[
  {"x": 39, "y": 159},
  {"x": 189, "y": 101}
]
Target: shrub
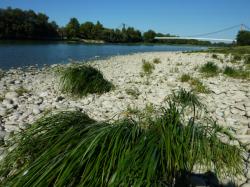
[
  {"x": 81, "y": 80},
  {"x": 70, "y": 149},
  {"x": 210, "y": 69},
  {"x": 156, "y": 60},
  {"x": 185, "y": 78}
]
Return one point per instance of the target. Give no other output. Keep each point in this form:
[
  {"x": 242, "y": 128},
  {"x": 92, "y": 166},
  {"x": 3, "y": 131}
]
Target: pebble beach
[{"x": 27, "y": 94}]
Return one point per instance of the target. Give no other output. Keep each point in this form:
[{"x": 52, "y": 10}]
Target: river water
[{"x": 19, "y": 54}]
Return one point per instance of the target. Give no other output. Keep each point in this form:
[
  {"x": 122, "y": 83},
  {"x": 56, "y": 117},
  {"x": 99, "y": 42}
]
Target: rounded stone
[{"x": 11, "y": 95}]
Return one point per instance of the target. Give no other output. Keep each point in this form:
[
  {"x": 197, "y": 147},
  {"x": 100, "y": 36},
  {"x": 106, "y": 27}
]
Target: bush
[
  {"x": 210, "y": 69},
  {"x": 81, "y": 80},
  {"x": 70, "y": 149}
]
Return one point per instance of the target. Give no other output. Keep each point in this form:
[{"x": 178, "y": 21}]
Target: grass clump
[
  {"x": 133, "y": 92},
  {"x": 147, "y": 67},
  {"x": 210, "y": 69},
  {"x": 156, "y": 60},
  {"x": 236, "y": 57},
  {"x": 236, "y": 73},
  {"x": 70, "y": 149},
  {"x": 21, "y": 91},
  {"x": 82, "y": 80},
  {"x": 214, "y": 56},
  {"x": 1, "y": 74},
  {"x": 198, "y": 86},
  {"x": 185, "y": 78},
  {"x": 247, "y": 60}
]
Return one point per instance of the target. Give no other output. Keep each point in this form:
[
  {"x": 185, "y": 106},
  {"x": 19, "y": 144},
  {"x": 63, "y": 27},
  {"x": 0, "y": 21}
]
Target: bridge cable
[{"x": 210, "y": 33}]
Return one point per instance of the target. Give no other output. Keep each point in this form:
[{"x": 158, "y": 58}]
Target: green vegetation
[
  {"x": 81, "y": 80},
  {"x": 19, "y": 24},
  {"x": 1, "y": 74},
  {"x": 236, "y": 50},
  {"x": 243, "y": 38},
  {"x": 134, "y": 92},
  {"x": 196, "y": 84},
  {"x": 185, "y": 78},
  {"x": 247, "y": 60},
  {"x": 214, "y": 56},
  {"x": 72, "y": 29},
  {"x": 70, "y": 149},
  {"x": 147, "y": 67},
  {"x": 156, "y": 61},
  {"x": 210, "y": 69},
  {"x": 236, "y": 73},
  {"x": 21, "y": 91},
  {"x": 236, "y": 57}
]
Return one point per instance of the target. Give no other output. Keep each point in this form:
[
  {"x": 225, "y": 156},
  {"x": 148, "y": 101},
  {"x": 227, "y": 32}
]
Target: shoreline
[{"x": 28, "y": 94}]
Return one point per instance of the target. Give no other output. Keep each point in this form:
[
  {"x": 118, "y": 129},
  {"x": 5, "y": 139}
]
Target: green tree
[
  {"x": 86, "y": 30},
  {"x": 19, "y": 24},
  {"x": 97, "y": 30},
  {"x": 149, "y": 36},
  {"x": 243, "y": 38},
  {"x": 73, "y": 28}
]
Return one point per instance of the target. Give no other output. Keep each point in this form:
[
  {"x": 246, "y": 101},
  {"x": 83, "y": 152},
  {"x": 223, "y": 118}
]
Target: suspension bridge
[{"x": 203, "y": 36}]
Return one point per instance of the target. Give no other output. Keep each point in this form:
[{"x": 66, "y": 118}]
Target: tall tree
[
  {"x": 86, "y": 30},
  {"x": 243, "y": 38},
  {"x": 72, "y": 28},
  {"x": 149, "y": 36}
]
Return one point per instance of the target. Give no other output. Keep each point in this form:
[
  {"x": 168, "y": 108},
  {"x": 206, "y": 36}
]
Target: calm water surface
[{"x": 25, "y": 54}]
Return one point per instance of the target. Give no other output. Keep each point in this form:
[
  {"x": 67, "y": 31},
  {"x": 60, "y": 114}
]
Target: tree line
[
  {"x": 19, "y": 24},
  {"x": 26, "y": 24}
]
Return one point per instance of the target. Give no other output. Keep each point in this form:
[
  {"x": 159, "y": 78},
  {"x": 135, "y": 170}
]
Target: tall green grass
[
  {"x": 210, "y": 69},
  {"x": 236, "y": 73},
  {"x": 81, "y": 80},
  {"x": 70, "y": 149},
  {"x": 147, "y": 67}
]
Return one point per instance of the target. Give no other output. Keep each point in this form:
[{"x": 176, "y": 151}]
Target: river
[{"x": 19, "y": 54}]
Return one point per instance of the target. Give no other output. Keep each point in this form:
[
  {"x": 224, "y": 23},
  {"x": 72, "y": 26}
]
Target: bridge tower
[{"x": 242, "y": 27}]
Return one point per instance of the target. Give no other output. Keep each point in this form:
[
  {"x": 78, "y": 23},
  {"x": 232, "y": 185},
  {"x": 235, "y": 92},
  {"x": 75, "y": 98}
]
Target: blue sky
[{"x": 182, "y": 17}]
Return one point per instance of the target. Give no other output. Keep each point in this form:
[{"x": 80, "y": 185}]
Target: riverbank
[{"x": 28, "y": 94}]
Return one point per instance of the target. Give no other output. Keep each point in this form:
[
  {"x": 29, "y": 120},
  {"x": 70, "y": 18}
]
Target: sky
[{"x": 180, "y": 17}]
